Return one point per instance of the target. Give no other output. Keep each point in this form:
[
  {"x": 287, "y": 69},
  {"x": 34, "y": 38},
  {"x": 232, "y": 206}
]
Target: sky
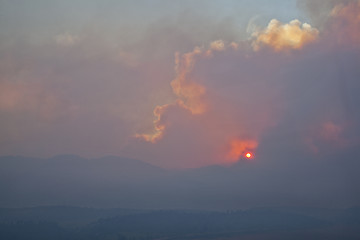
[{"x": 181, "y": 84}]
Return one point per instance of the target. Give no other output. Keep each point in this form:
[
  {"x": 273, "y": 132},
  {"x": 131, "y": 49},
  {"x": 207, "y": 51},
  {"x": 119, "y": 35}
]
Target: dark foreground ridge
[{"x": 119, "y": 224}]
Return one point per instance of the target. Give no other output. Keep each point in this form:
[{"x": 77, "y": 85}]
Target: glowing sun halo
[{"x": 248, "y": 155}]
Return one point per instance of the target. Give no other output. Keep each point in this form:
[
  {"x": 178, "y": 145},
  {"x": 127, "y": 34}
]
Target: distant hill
[{"x": 70, "y": 179}]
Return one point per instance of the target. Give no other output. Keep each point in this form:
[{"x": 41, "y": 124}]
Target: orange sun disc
[{"x": 248, "y": 155}]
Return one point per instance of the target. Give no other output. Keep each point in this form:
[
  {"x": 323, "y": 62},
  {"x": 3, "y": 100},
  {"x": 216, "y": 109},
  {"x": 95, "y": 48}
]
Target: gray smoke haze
[{"x": 182, "y": 87}]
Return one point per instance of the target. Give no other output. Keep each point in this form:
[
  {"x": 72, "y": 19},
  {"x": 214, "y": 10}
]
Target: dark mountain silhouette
[{"x": 129, "y": 183}]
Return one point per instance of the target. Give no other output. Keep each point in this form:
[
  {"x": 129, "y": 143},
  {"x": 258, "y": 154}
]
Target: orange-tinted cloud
[
  {"x": 159, "y": 126},
  {"x": 328, "y": 136},
  {"x": 11, "y": 95},
  {"x": 18, "y": 96},
  {"x": 190, "y": 94},
  {"x": 345, "y": 22},
  {"x": 280, "y": 36},
  {"x": 239, "y": 147},
  {"x": 184, "y": 87},
  {"x": 218, "y": 45},
  {"x": 330, "y": 131}
]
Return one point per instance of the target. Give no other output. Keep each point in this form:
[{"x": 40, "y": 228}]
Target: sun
[{"x": 248, "y": 155}]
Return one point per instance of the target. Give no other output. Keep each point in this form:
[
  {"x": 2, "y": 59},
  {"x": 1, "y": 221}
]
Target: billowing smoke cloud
[
  {"x": 234, "y": 119},
  {"x": 88, "y": 90},
  {"x": 279, "y": 36},
  {"x": 192, "y": 96}
]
